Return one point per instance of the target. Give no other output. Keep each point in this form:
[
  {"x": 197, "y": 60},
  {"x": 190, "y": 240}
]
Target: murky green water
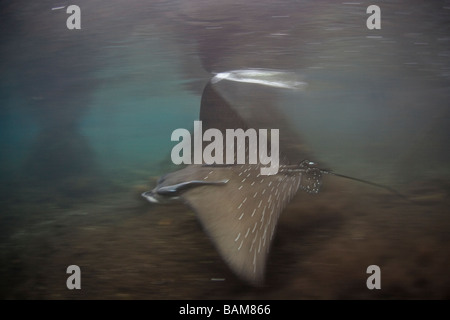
[{"x": 85, "y": 123}]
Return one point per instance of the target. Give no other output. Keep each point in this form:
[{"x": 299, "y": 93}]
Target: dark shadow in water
[
  {"x": 61, "y": 158},
  {"x": 53, "y": 68}
]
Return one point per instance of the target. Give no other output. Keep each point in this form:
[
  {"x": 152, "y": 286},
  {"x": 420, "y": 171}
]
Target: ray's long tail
[{"x": 309, "y": 166}]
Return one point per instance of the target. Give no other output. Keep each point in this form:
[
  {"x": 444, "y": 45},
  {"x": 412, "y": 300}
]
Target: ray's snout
[
  {"x": 160, "y": 196},
  {"x": 171, "y": 186},
  {"x": 150, "y": 196}
]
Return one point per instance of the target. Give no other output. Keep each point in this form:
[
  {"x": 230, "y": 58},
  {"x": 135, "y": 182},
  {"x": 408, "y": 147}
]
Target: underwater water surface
[{"x": 86, "y": 118}]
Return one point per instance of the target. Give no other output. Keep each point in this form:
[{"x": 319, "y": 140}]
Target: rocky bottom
[{"x": 130, "y": 249}]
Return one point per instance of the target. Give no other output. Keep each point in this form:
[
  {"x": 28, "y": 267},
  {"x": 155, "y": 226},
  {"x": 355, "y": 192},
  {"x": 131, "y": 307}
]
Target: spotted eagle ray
[{"x": 236, "y": 205}]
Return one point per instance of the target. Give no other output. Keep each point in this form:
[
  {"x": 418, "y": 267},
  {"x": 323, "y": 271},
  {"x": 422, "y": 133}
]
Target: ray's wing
[
  {"x": 216, "y": 112},
  {"x": 241, "y": 216},
  {"x": 250, "y": 105}
]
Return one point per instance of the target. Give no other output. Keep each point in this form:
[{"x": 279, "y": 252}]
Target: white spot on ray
[
  {"x": 240, "y": 188},
  {"x": 259, "y": 205},
  {"x": 253, "y": 242},
  {"x": 246, "y": 234},
  {"x": 256, "y": 193},
  {"x": 238, "y": 236},
  {"x": 241, "y": 205},
  {"x": 241, "y": 216},
  {"x": 256, "y": 235},
  {"x": 240, "y": 246},
  {"x": 272, "y": 231}
]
